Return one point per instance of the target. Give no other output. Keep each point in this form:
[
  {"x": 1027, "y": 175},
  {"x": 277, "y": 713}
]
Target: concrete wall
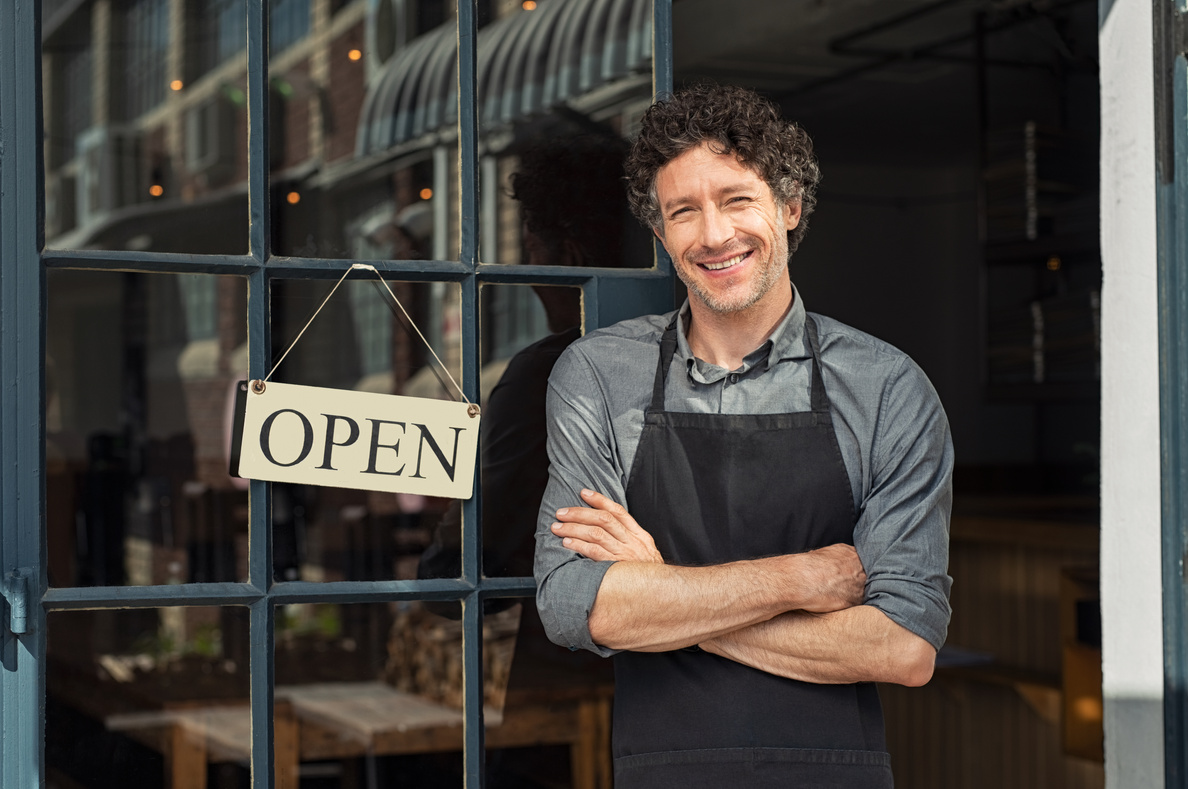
[{"x": 1130, "y": 502}]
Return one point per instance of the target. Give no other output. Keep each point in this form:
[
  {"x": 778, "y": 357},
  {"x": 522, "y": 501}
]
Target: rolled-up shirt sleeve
[
  {"x": 581, "y": 455},
  {"x": 902, "y": 534}
]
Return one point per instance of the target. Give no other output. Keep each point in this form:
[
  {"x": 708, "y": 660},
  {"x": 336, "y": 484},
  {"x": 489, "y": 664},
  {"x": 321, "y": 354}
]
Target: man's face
[{"x": 723, "y": 229}]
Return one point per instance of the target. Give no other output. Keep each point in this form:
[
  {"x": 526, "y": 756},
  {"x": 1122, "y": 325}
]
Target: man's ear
[{"x": 791, "y": 214}]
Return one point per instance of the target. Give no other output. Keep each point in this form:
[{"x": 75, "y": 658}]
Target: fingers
[
  {"x": 594, "y": 519},
  {"x": 598, "y": 501},
  {"x": 604, "y": 531},
  {"x": 590, "y": 550},
  {"x": 587, "y": 534}
]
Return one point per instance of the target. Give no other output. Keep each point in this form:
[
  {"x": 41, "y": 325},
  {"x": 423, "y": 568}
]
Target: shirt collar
[{"x": 787, "y": 342}]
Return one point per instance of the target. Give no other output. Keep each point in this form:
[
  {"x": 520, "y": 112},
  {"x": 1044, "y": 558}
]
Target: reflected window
[
  {"x": 140, "y": 370},
  {"x": 288, "y": 23},
  {"x": 219, "y": 31},
  {"x": 146, "y": 52},
  {"x": 70, "y": 52}
]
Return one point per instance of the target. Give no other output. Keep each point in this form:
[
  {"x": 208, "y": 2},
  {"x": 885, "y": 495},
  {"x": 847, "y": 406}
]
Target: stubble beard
[{"x": 767, "y": 276}]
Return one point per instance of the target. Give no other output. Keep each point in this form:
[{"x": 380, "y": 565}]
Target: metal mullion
[
  {"x": 22, "y": 393},
  {"x": 157, "y": 596},
  {"x": 260, "y": 231},
  {"x": 262, "y": 683},
  {"x": 662, "y": 46},
  {"x": 260, "y": 629},
  {"x": 661, "y": 83},
  {"x": 590, "y": 305},
  {"x": 402, "y": 270},
  {"x": 508, "y": 587},
  {"x": 474, "y": 751},
  {"x": 1172, "y": 212},
  {"x": 474, "y": 755},
  {"x": 496, "y": 273},
  {"x": 436, "y": 589},
  {"x": 154, "y": 262}
]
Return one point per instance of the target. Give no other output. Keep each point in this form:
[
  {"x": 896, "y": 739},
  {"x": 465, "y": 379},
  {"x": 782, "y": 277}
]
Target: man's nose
[{"x": 716, "y": 229}]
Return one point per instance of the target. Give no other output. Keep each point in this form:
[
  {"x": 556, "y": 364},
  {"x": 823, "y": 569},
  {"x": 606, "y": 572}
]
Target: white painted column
[{"x": 1131, "y": 586}]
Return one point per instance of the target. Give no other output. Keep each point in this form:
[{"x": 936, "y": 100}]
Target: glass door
[{"x": 182, "y": 182}]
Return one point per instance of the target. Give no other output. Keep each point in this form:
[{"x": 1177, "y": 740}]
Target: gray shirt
[{"x": 890, "y": 426}]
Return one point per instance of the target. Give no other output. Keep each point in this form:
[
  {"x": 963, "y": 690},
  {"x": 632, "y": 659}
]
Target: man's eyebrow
[
  {"x": 675, "y": 202},
  {"x": 726, "y": 191}
]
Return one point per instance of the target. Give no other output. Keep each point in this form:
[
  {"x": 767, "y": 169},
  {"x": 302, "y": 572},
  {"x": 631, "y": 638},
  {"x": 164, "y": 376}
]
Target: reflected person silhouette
[{"x": 574, "y": 213}]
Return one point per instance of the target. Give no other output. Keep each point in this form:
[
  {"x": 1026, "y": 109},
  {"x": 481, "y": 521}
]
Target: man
[{"x": 748, "y": 504}]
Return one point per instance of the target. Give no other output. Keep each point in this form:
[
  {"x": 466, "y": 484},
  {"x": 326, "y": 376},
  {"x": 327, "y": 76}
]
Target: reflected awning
[{"x": 527, "y": 63}]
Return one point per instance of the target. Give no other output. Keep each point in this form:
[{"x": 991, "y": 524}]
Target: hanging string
[{"x": 258, "y": 386}]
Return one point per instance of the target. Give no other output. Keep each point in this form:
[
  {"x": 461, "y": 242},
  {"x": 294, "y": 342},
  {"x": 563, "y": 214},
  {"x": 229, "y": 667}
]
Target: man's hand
[
  {"x": 605, "y": 531},
  {"x": 833, "y": 579}
]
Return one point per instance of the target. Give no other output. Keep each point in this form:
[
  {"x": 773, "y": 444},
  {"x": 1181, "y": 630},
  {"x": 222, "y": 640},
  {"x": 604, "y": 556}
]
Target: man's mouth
[{"x": 726, "y": 263}]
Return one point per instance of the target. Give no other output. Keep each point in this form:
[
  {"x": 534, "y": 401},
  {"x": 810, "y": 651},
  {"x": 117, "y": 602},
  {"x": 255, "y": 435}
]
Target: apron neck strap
[
  {"x": 819, "y": 400},
  {"x": 668, "y": 345}
]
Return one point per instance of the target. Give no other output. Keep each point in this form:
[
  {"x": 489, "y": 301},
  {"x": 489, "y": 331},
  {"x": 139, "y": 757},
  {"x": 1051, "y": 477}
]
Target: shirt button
[{"x": 734, "y": 378}]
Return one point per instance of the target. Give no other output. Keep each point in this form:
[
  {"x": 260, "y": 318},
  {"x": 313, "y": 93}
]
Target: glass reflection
[
  {"x": 148, "y": 698},
  {"x": 365, "y": 112},
  {"x": 560, "y": 81},
  {"x": 140, "y": 370},
  {"x": 325, "y": 204},
  {"x": 359, "y": 342},
  {"x": 375, "y": 691},
  {"x": 146, "y": 125}
]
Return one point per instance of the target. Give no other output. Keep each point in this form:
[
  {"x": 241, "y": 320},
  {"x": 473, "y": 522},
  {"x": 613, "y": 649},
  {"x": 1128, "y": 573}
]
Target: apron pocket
[{"x": 755, "y": 768}]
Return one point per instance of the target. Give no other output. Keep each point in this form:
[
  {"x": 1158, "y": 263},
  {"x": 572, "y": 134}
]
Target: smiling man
[{"x": 748, "y": 503}]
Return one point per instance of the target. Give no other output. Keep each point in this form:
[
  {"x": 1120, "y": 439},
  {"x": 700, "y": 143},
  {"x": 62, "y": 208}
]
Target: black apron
[{"x": 715, "y": 488}]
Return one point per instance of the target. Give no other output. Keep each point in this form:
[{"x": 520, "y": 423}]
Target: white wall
[{"x": 1130, "y": 504}]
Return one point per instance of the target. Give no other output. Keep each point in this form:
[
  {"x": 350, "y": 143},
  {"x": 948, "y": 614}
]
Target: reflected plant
[{"x": 207, "y": 642}]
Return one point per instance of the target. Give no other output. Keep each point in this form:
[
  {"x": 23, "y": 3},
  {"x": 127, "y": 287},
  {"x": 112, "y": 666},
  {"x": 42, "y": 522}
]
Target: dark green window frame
[{"x": 608, "y": 294}]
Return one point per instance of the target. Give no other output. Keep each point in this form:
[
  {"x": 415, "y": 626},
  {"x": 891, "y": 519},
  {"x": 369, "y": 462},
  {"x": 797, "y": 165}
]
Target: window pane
[
  {"x": 148, "y": 698},
  {"x": 140, "y": 370},
  {"x": 561, "y": 89},
  {"x": 357, "y": 343},
  {"x": 146, "y": 126},
  {"x": 525, "y": 329},
  {"x": 376, "y": 690},
  {"x": 333, "y": 196}
]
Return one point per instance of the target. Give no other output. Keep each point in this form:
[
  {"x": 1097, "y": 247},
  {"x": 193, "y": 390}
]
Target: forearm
[
  {"x": 859, "y": 644},
  {"x": 651, "y": 607}
]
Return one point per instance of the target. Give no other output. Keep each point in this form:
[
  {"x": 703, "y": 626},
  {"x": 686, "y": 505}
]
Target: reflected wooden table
[{"x": 342, "y": 720}]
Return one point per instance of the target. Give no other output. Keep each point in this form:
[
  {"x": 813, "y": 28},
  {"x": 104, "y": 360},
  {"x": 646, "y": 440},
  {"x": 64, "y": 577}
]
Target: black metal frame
[
  {"x": 1171, "y": 149},
  {"x": 608, "y": 295}
]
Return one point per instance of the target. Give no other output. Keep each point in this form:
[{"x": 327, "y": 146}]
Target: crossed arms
[
  {"x": 824, "y": 616},
  {"x": 798, "y": 615}
]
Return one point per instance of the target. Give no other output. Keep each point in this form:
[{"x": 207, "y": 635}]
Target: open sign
[{"x": 314, "y": 436}]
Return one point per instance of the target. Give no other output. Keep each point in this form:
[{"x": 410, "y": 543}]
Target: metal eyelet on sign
[
  {"x": 473, "y": 410},
  {"x": 258, "y": 386}
]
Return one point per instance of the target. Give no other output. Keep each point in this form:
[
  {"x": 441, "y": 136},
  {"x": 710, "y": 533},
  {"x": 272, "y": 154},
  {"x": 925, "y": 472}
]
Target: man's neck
[{"x": 724, "y": 339}]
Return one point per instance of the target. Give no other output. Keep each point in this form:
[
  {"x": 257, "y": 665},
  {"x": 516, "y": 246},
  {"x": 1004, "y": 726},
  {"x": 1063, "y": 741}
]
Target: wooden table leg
[
  {"x": 603, "y": 755},
  {"x": 185, "y": 758},
  {"x": 286, "y": 746},
  {"x": 590, "y": 755}
]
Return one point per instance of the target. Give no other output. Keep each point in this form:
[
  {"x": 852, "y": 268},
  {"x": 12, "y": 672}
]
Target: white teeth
[{"x": 725, "y": 263}]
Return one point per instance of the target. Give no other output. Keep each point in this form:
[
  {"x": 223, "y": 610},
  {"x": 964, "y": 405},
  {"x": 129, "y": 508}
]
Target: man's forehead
[{"x": 703, "y": 165}]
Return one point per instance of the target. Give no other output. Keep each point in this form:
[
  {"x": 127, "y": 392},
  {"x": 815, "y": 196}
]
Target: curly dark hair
[{"x": 732, "y": 120}]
